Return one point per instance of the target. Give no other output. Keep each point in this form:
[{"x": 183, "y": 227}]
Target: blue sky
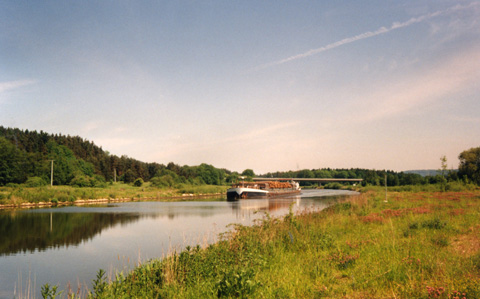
[{"x": 266, "y": 85}]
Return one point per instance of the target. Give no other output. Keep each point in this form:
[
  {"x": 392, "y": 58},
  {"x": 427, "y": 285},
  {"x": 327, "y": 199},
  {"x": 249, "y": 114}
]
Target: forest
[{"x": 26, "y": 158}]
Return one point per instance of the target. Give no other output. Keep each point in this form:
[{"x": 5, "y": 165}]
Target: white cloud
[{"x": 9, "y": 85}]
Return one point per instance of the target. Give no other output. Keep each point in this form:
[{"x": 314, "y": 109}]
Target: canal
[{"x": 66, "y": 246}]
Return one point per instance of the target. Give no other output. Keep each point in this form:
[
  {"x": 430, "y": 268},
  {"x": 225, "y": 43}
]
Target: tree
[
  {"x": 469, "y": 167},
  {"x": 322, "y": 174},
  {"x": 209, "y": 174},
  {"x": 66, "y": 166},
  {"x": 248, "y": 172},
  {"x": 233, "y": 177},
  {"x": 443, "y": 168},
  {"x": 11, "y": 160},
  {"x": 443, "y": 172},
  {"x": 305, "y": 174},
  {"x": 129, "y": 176}
]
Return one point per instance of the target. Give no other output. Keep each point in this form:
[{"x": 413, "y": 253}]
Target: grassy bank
[
  {"x": 16, "y": 196},
  {"x": 416, "y": 245}
]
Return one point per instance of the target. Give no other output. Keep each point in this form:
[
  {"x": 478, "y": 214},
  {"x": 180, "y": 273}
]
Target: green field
[{"x": 415, "y": 245}]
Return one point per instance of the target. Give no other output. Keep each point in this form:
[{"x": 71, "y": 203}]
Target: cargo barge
[{"x": 244, "y": 190}]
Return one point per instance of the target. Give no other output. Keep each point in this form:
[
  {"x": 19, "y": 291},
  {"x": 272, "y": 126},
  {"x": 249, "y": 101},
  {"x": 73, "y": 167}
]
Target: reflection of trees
[
  {"x": 29, "y": 231},
  {"x": 22, "y": 232}
]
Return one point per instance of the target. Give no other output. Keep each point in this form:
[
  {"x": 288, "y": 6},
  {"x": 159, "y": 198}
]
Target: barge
[{"x": 265, "y": 189}]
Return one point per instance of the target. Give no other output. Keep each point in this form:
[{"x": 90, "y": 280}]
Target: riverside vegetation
[
  {"x": 417, "y": 244},
  {"x": 46, "y": 195}
]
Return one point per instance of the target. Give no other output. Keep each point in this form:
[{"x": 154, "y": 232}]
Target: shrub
[
  {"x": 440, "y": 240},
  {"x": 35, "y": 182},
  {"x": 63, "y": 197},
  {"x": 434, "y": 223},
  {"x": 138, "y": 182},
  {"x": 335, "y": 186},
  {"x": 236, "y": 283},
  {"x": 83, "y": 181},
  {"x": 99, "y": 181},
  {"x": 163, "y": 181}
]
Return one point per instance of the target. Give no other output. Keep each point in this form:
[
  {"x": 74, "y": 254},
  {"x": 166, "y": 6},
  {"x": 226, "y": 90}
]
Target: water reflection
[
  {"x": 23, "y": 231},
  {"x": 31, "y": 230},
  {"x": 245, "y": 208},
  {"x": 27, "y": 232},
  {"x": 66, "y": 245}
]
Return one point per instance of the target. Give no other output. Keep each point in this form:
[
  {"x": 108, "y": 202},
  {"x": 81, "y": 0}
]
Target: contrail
[{"x": 381, "y": 30}]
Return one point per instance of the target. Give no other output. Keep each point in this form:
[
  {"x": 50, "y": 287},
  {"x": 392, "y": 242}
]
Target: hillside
[{"x": 25, "y": 154}]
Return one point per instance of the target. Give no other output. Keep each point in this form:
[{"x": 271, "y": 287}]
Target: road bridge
[{"x": 329, "y": 180}]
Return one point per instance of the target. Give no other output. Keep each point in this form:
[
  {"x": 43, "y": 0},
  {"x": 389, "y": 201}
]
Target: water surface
[{"x": 66, "y": 246}]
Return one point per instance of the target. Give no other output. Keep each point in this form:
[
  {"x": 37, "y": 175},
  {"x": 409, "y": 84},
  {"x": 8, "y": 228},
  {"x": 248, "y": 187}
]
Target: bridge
[{"x": 329, "y": 180}]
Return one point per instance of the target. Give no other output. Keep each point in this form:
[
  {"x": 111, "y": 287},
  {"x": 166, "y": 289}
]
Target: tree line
[
  {"x": 468, "y": 172},
  {"x": 25, "y": 158},
  {"x": 370, "y": 177}
]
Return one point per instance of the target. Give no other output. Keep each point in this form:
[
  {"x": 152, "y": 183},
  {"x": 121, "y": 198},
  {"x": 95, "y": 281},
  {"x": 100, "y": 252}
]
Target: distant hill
[{"x": 427, "y": 172}]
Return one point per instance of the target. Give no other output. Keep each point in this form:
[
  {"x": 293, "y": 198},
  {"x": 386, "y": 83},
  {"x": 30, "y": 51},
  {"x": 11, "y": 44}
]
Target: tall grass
[{"x": 416, "y": 245}]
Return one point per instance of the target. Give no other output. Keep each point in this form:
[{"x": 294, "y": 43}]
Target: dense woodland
[{"x": 25, "y": 158}]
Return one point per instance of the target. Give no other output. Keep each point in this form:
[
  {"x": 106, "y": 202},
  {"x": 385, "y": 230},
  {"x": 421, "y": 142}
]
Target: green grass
[
  {"x": 67, "y": 194},
  {"x": 416, "y": 245}
]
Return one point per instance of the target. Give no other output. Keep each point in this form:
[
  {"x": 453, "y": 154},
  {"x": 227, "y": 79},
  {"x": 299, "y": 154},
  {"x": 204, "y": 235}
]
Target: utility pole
[
  {"x": 51, "y": 176},
  {"x": 114, "y": 174}
]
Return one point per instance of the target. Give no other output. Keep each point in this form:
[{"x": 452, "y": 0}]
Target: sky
[{"x": 262, "y": 85}]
